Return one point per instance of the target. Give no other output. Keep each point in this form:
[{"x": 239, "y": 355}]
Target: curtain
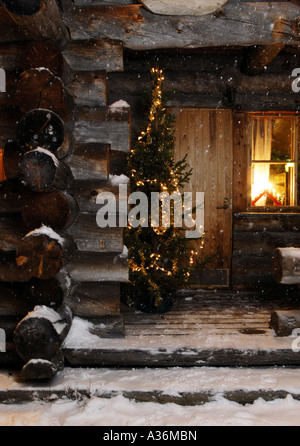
[{"x": 262, "y": 137}]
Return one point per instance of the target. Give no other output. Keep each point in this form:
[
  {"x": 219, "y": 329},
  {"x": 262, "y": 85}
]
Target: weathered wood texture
[
  {"x": 40, "y": 334},
  {"x": 55, "y": 209},
  {"x": 40, "y": 88},
  {"x": 40, "y": 170},
  {"x": 284, "y": 322},
  {"x": 216, "y": 328},
  {"x": 38, "y": 20},
  {"x": 286, "y": 265},
  {"x": 89, "y": 88},
  {"x": 94, "y": 54},
  {"x": 12, "y": 231},
  {"x": 9, "y": 30},
  {"x": 41, "y": 128},
  {"x": 9, "y": 270},
  {"x": 42, "y": 369},
  {"x": 12, "y": 155},
  {"x": 43, "y": 253},
  {"x": 259, "y": 57},
  {"x": 89, "y": 161},
  {"x": 255, "y": 239},
  {"x": 89, "y": 237},
  {"x": 98, "y": 267},
  {"x": 12, "y": 197},
  {"x": 94, "y": 299},
  {"x": 49, "y": 292},
  {"x": 139, "y": 29},
  {"x": 109, "y": 126},
  {"x": 86, "y": 193}
]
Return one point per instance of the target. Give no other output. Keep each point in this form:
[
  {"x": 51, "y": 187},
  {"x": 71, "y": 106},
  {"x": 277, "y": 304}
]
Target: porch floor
[{"x": 204, "y": 328}]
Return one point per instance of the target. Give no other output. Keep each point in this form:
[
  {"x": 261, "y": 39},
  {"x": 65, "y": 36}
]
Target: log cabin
[{"x": 77, "y": 73}]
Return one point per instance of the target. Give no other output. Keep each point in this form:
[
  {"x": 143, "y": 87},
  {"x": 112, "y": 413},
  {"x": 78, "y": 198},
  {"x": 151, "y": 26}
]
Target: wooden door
[{"x": 206, "y": 137}]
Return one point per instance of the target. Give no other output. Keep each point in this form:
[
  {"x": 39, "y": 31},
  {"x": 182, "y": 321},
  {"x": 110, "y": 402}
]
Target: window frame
[{"x": 296, "y": 148}]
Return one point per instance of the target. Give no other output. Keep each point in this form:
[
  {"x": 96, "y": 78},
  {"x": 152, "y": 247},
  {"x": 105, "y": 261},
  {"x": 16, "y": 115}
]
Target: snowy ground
[{"x": 121, "y": 411}]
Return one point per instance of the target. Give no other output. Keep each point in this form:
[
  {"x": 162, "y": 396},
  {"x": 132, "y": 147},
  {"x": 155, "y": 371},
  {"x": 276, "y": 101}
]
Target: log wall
[
  {"x": 60, "y": 186},
  {"x": 202, "y": 78}
]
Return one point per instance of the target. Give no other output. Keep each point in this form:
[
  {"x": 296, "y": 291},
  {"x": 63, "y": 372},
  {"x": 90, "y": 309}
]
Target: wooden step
[{"x": 193, "y": 386}]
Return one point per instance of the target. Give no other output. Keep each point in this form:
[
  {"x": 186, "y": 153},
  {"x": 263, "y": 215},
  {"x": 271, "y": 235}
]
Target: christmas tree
[{"x": 159, "y": 257}]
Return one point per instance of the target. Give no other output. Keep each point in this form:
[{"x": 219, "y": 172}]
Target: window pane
[
  {"x": 273, "y": 184},
  {"x": 273, "y": 139}
]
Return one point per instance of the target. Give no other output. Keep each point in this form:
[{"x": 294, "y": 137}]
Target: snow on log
[
  {"x": 41, "y": 369},
  {"x": 286, "y": 265},
  {"x": 42, "y": 253},
  {"x": 40, "y": 170},
  {"x": 41, "y": 333}
]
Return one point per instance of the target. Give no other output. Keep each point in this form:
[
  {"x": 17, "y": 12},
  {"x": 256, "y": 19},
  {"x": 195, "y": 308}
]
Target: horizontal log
[
  {"x": 44, "y": 54},
  {"x": 12, "y": 231},
  {"x": 41, "y": 333},
  {"x": 9, "y": 270},
  {"x": 98, "y": 267},
  {"x": 41, "y": 171},
  {"x": 88, "y": 236},
  {"x": 42, "y": 369},
  {"x": 89, "y": 88},
  {"x": 254, "y": 222},
  {"x": 263, "y": 243},
  {"x": 49, "y": 292},
  {"x": 39, "y": 20},
  {"x": 40, "y": 88},
  {"x": 286, "y": 265},
  {"x": 40, "y": 128},
  {"x": 12, "y": 155},
  {"x": 259, "y": 57},
  {"x": 13, "y": 301},
  {"x": 9, "y": 97},
  {"x": 94, "y": 299},
  {"x": 103, "y": 124},
  {"x": 56, "y": 209},
  {"x": 285, "y": 321},
  {"x": 43, "y": 253},
  {"x": 94, "y": 54},
  {"x": 9, "y": 29},
  {"x": 191, "y": 82},
  {"x": 8, "y": 123},
  {"x": 89, "y": 161},
  {"x": 9, "y": 323},
  {"x": 86, "y": 193},
  {"x": 12, "y": 197},
  {"x": 139, "y": 29}
]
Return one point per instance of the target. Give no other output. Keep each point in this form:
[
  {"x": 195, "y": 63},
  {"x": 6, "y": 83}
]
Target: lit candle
[{"x": 278, "y": 197}]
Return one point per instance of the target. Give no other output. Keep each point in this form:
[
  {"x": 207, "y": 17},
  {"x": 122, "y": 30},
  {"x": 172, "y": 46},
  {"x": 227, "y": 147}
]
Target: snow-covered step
[{"x": 184, "y": 386}]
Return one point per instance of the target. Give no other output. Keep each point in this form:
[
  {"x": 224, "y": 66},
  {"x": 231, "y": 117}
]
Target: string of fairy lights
[{"x": 154, "y": 261}]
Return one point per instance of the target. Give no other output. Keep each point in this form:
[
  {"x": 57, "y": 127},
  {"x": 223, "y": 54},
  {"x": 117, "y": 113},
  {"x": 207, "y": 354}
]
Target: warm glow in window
[{"x": 275, "y": 161}]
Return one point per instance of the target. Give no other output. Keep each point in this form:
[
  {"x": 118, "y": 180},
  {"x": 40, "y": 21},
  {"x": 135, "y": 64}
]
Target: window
[{"x": 275, "y": 163}]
